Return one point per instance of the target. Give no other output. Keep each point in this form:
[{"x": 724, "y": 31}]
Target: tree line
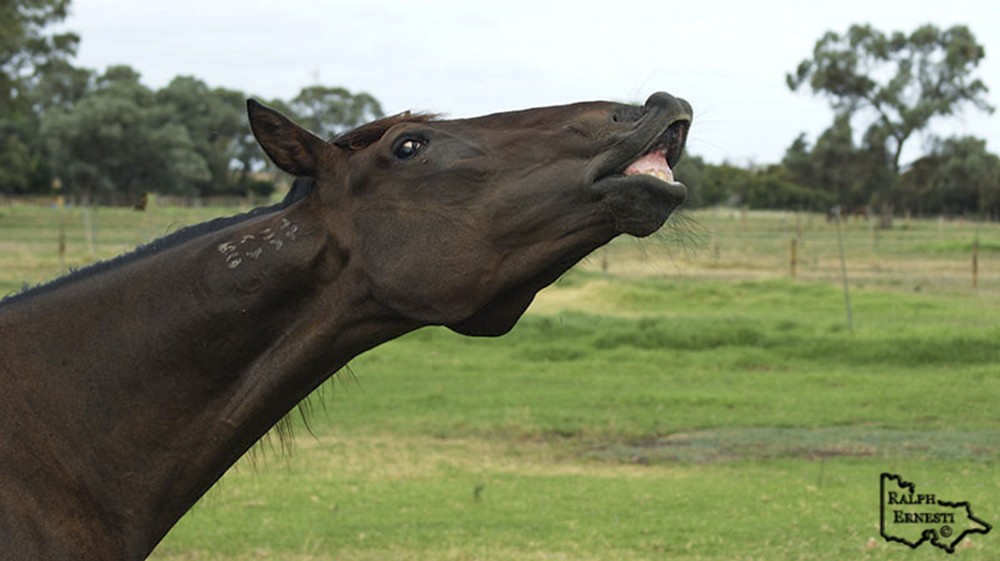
[{"x": 103, "y": 135}]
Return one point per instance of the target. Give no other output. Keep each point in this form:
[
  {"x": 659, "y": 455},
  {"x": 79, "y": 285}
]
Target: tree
[
  {"x": 117, "y": 140},
  {"x": 829, "y": 164},
  {"x": 689, "y": 171},
  {"x": 850, "y": 173},
  {"x": 897, "y": 83},
  {"x": 215, "y": 124},
  {"x": 246, "y": 153},
  {"x": 723, "y": 184},
  {"x": 328, "y": 111},
  {"x": 958, "y": 177},
  {"x": 27, "y": 55},
  {"x": 772, "y": 187},
  {"x": 24, "y": 47}
]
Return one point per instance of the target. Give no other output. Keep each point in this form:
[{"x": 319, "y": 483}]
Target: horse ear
[{"x": 291, "y": 147}]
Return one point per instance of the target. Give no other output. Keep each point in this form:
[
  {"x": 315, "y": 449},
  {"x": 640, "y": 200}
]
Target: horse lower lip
[{"x": 639, "y": 204}]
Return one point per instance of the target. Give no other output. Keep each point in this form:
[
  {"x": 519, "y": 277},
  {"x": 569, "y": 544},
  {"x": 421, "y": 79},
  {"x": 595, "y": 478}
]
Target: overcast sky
[{"x": 466, "y": 58}]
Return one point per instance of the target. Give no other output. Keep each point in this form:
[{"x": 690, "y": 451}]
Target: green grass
[
  {"x": 720, "y": 423},
  {"x": 417, "y": 499},
  {"x": 693, "y": 405},
  {"x": 706, "y": 361}
]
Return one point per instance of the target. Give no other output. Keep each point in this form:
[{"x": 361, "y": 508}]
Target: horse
[{"x": 131, "y": 386}]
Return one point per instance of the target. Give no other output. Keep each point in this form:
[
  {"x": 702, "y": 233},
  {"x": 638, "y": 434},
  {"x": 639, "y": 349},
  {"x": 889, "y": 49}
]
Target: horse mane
[{"x": 300, "y": 189}]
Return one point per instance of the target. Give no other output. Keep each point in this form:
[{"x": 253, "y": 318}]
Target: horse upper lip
[
  {"x": 673, "y": 140},
  {"x": 662, "y": 125},
  {"x": 670, "y": 141},
  {"x": 668, "y": 136}
]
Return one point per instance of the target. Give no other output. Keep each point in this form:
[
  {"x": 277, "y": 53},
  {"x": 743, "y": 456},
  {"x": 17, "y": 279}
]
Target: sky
[{"x": 464, "y": 58}]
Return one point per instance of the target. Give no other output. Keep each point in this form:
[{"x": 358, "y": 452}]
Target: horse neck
[{"x": 149, "y": 380}]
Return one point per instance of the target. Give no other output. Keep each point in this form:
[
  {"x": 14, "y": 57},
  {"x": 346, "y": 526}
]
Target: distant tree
[
  {"x": 850, "y": 173},
  {"x": 799, "y": 163},
  {"x": 768, "y": 187},
  {"x": 109, "y": 135},
  {"x": 827, "y": 165},
  {"x": 772, "y": 187},
  {"x": 116, "y": 139},
  {"x": 215, "y": 123},
  {"x": 27, "y": 53},
  {"x": 959, "y": 176},
  {"x": 59, "y": 84},
  {"x": 121, "y": 138},
  {"x": 24, "y": 47},
  {"x": 246, "y": 153},
  {"x": 896, "y": 83},
  {"x": 328, "y": 111},
  {"x": 689, "y": 172},
  {"x": 723, "y": 184}
]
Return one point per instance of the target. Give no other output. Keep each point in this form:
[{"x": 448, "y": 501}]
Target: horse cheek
[{"x": 425, "y": 276}]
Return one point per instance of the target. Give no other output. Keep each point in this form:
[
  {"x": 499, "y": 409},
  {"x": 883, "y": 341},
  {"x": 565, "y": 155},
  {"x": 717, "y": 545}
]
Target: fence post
[
  {"x": 88, "y": 229},
  {"x": 60, "y": 204},
  {"x": 715, "y": 235},
  {"x": 794, "y": 245},
  {"x": 843, "y": 273},
  {"x": 975, "y": 262}
]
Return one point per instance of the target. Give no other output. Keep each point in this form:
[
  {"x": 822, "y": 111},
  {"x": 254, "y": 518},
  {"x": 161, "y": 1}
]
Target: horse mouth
[
  {"x": 639, "y": 190},
  {"x": 663, "y": 155}
]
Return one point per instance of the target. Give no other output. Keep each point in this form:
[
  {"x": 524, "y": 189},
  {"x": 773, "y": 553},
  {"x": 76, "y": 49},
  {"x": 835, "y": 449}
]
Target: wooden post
[
  {"x": 715, "y": 235},
  {"x": 975, "y": 262},
  {"x": 843, "y": 274},
  {"x": 88, "y": 230},
  {"x": 62, "y": 241},
  {"x": 791, "y": 262},
  {"x": 60, "y": 206}
]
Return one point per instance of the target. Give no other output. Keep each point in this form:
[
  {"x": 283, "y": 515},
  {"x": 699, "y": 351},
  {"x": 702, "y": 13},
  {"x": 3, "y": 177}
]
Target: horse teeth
[{"x": 659, "y": 174}]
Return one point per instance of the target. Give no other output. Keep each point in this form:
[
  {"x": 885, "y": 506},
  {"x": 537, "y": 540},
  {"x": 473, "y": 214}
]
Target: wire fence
[
  {"x": 40, "y": 240},
  {"x": 915, "y": 254}
]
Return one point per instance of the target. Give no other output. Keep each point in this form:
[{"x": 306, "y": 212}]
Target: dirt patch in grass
[{"x": 763, "y": 443}]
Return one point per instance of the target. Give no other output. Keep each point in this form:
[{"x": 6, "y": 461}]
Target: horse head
[{"x": 461, "y": 222}]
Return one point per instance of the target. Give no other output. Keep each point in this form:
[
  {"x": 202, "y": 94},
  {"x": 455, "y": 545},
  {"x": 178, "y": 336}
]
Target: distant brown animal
[
  {"x": 130, "y": 387},
  {"x": 860, "y": 213},
  {"x": 142, "y": 203}
]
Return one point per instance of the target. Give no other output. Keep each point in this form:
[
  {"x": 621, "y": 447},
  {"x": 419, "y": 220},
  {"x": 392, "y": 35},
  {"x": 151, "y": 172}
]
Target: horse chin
[
  {"x": 498, "y": 317},
  {"x": 639, "y": 204}
]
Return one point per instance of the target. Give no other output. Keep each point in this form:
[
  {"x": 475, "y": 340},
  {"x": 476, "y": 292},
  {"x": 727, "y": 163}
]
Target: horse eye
[{"x": 408, "y": 148}]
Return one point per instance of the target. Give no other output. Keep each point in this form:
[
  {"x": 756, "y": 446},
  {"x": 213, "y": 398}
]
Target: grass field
[{"x": 683, "y": 397}]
